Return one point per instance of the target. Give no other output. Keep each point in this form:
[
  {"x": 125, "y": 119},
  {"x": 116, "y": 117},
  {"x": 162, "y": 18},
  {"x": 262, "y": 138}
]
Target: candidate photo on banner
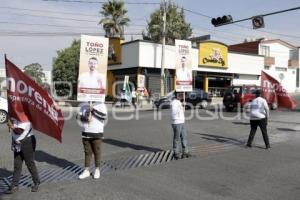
[
  {"x": 184, "y": 75},
  {"x": 92, "y": 68},
  {"x": 141, "y": 82}
]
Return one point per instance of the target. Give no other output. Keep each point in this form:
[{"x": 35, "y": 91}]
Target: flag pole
[{"x": 8, "y": 118}]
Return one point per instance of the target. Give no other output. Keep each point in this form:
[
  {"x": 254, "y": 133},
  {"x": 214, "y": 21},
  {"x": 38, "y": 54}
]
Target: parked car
[
  {"x": 3, "y": 110},
  {"x": 195, "y": 98},
  {"x": 241, "y": 95}
]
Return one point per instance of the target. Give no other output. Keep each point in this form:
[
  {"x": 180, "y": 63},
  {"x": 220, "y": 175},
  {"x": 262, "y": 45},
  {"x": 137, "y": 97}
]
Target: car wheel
[
  {"x": 204, "y": 104},
  {"x": 3, "y": 116},
  {"x": 274, "y": 106}
]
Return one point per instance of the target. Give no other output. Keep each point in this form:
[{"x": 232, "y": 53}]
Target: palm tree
[{"x": 114, "y": 18}]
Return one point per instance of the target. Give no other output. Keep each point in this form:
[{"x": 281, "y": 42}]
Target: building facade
[
  {"x": 281, "y": 60},
  {"x": 144, "y": 57}
]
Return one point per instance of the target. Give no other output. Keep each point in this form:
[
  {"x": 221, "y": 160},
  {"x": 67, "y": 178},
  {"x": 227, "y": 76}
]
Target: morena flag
[
  {"x": 27, "y": 101},
  {"x": 271, "y": 86}
]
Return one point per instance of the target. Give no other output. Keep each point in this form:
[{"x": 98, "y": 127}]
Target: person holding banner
[
  {"x": 91, "y": 79},
  {"x": 23, "y": 146},
  {"x": 259, "y": 113},
  {"x": 92, "y": 117},
  {"x": 182, "y": 73},
  {"x": 178, "y": 125}
]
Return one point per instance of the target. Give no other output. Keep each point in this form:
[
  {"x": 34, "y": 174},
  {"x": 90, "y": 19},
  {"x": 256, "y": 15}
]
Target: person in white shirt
[
  {"x": 92, "y": 119},
  {"x": 91, "y": 79},
  {"x": 23, "y": 146},
  {"x": 259, "y": 114},
  {"x": 179, "y": 131},
  {"x": 182, "y": 73}
]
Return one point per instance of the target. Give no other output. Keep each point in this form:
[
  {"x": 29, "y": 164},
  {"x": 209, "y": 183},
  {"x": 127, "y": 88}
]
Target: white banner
[
  {"x": 141, "y": 82},
  {"x": 184, "y": 75},
  {"x": 92, "y": 68}
]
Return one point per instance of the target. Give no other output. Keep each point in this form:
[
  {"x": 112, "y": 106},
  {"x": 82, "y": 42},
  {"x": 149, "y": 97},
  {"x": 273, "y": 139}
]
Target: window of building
[
  {"x": 281, "y": 69},
  {"x": 267, "y": 67},
  {"x": 265, "y": 51}
]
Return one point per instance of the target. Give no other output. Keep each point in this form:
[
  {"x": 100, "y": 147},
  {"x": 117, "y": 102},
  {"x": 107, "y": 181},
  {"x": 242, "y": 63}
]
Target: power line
[
  {"x": 53, "y": 17},
  {"x": 48, "y": 11},
  {"x": 33, "y": 33},
  {"x": 51, "y": 25},
  {"x": 101, "y": 2},
  {"x": 263, "y": 31}
]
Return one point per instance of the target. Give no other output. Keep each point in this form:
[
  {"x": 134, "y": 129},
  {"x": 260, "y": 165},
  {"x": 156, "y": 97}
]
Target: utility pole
[{"x": 162, "y": 74}]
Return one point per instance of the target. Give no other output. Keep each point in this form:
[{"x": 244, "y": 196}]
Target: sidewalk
[{"x": 143, "y": 106}]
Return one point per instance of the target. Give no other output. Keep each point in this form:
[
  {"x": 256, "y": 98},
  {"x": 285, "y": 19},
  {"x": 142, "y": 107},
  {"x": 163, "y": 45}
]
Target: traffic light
[{"x": 219, "y": 21}]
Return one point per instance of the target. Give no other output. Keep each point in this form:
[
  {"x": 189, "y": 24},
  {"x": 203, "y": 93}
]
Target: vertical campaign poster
[
  {"x": 92, "y": 68},
  {"x": 184, "y": 75},
  {"x": 141, "y": 82}
]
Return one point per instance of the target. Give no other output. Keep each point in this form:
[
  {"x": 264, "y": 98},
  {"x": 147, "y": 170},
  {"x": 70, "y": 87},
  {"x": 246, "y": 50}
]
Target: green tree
[
  {"x": 114, "y": 18},
  {"x": 65, "y": 70},
  {"x": 176, "y": 26},
  {"x": 35, "y": 72}
]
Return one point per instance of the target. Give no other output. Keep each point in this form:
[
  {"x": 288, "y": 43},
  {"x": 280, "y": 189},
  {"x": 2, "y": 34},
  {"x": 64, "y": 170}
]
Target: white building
[
  {"x": 144, "y": 57},
  {"x": 281, "y": 60}
]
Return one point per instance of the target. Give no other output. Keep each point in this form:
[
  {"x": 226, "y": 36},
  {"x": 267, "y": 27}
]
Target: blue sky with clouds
[{"x": 33, "y": 30}]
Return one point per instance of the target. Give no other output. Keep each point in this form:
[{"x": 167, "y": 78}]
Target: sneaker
[
  {"x": 96, "y": 173},
  {"x": 84, "y": 174},
  {"x": 186, "y": 155},
  {"x": 12, "y": 189},
  {"x": 268, "y": 147},
  {"x": 248, "y": 145},
  {"x": 35, "y": 188}
]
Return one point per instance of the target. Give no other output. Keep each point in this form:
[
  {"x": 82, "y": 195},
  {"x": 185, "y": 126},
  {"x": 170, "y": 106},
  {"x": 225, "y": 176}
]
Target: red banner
[
  {"x": 271, "y": 89},
  {"x": 27, "y": 101}
]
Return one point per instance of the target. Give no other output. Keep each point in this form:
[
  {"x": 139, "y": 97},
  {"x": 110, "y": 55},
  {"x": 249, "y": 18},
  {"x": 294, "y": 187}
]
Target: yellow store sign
[{"x": 213, "y": 54}]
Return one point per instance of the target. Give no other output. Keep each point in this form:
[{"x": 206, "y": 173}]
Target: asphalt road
[{"x": 221, "y": 169}]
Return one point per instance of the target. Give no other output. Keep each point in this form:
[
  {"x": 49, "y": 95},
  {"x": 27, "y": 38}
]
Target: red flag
[
  {"x": 271, "y": 88},
  {"x": 27, "y": 101}
]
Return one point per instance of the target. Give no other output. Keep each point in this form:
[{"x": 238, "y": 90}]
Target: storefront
[{"x": 214, "y": 68}]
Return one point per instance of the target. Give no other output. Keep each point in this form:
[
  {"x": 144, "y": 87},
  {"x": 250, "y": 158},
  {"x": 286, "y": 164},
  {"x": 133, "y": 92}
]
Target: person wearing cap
[
  {"x": 92, "y": 117},
  {"x": 178, "y": 125},
  {"x": 259, "y": 114},
  {"x": 23, "y": 146}
]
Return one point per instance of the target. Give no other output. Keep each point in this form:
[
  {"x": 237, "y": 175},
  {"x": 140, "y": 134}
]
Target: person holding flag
[
  {"x": 29, "y": 107},
  {"x": 23, "y": 146}
]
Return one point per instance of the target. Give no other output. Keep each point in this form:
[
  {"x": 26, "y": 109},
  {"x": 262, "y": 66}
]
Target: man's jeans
[{"x": 179, "y": 137}]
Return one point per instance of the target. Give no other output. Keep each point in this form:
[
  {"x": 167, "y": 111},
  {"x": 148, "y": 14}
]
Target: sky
[{"x": 32, "y": 31}]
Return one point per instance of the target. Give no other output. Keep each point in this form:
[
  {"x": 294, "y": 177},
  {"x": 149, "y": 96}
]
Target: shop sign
[{"x": 213, "y": 54}]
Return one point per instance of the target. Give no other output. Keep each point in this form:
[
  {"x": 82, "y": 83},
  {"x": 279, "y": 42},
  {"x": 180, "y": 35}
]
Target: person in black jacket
[{"x": 23, "y": 146}]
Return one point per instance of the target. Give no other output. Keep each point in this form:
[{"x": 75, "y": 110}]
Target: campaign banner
[
  {"x": 126, "y": 89},
  {"x": 28, "y": 102},
  {"x": 141, "y": 82},
  {"x": 271, "y": 89},
  {"x": 184, "y": 75},
  {"x": 92, "y": 68}
]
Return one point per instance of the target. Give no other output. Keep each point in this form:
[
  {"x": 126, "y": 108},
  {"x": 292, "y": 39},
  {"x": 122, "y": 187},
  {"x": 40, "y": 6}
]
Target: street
[{"x": 221, "y": 166}]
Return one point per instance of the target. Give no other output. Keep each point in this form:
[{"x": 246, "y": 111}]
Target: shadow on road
[
  {"x": 286, "y": 129},
  {"x": 4, "y": 172},
  {"x": 42, "y": 156},
  {"x": 222, "y": 139},
  {"x": 241, "y": 123},
  {"x": 129, "y": 145}
]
